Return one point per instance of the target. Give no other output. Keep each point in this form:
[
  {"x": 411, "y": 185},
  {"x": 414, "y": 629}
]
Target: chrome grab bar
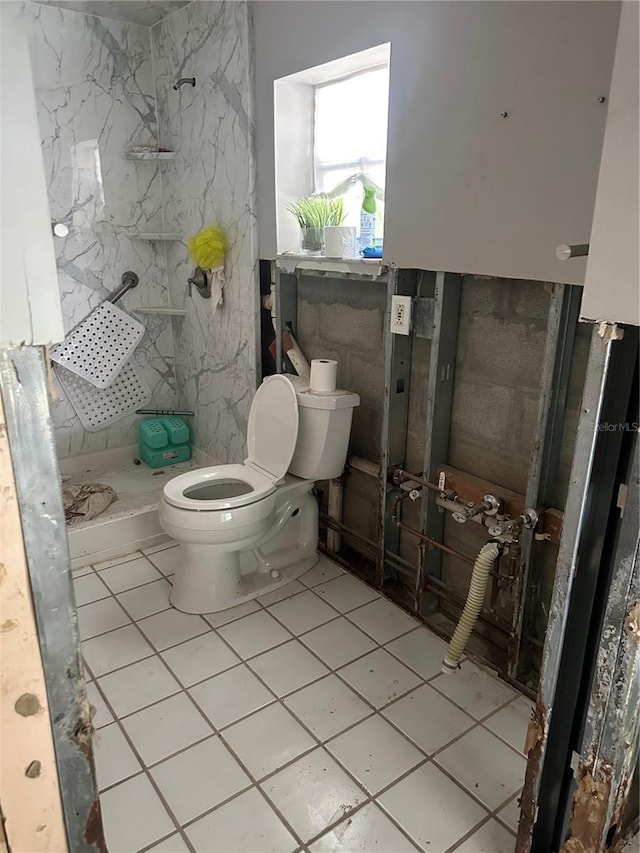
[{"x": 128, "y": 281}]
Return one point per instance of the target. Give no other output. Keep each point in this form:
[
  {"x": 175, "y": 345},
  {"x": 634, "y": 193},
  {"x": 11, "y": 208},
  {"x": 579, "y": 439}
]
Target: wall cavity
[{"x": 497, "y": 380}]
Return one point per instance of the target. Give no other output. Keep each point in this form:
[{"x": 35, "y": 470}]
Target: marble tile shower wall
[
  {"x": 211, "y": 180},
  {"x": 95, "y": 95}
]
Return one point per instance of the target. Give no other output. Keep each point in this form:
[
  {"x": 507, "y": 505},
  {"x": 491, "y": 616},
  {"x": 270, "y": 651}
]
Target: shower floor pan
[{"x": 130, "y": 522}]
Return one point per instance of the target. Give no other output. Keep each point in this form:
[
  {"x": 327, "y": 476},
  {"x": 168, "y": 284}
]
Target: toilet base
[
  {"x": 271, "y": 553},
  {"x": 250, "y": 586}
]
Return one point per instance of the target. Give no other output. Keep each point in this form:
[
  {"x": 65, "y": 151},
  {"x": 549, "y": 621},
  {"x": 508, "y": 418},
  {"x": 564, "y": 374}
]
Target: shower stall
[{"x": 129, "y": 179}]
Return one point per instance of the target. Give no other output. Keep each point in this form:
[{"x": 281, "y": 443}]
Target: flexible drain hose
[{"x": 475, "y": 598}]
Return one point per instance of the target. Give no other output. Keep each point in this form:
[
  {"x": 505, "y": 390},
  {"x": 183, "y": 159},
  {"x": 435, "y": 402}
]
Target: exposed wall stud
[
  {"x": 564, "y": 310},
  {"x": 394, "y": 415},
  {"x": 447, "y": 296}
]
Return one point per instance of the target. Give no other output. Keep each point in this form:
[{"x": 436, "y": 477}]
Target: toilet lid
[{"x": 272, "y": 432}]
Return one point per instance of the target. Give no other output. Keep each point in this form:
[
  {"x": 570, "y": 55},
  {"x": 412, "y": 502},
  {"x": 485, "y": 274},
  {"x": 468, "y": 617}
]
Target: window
[
  {"x": 330, "y": 124},
  {"x": 350, "y": 136}
]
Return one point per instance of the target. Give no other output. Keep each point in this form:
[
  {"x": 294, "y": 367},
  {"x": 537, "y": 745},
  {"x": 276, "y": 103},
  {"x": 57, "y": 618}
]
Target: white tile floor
[{"x": 315, "y": 719}]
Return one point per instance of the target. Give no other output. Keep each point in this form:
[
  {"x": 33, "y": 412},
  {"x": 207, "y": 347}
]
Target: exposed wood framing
[
  {"x": 588, "y": 694},
  {"x": 609, "y": 751},
  {"x": 472, "y": 490},
  {"x": 30, "y": 799},
  {"x": 23, "y": 384}
]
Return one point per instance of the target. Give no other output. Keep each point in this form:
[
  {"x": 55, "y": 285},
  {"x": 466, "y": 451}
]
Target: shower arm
[{"x": 128, "y": 281}]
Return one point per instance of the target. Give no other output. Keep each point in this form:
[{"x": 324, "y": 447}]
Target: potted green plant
[{"x": 314, "y": 213}]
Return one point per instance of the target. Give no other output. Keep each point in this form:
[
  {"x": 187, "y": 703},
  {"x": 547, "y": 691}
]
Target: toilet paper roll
[
  {"x": 324, "y": 372},
  {"x": 340, "y": 242}
]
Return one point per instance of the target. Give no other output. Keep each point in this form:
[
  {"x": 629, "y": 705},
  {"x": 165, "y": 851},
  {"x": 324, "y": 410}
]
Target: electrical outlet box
[{"x": 400, "y": 315}]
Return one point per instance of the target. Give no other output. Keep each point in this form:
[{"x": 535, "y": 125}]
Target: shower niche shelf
[
  {"x": 154, "y": 235},
  {"x": 161, "y": 310},
  {"x": 148, "y": 155}
]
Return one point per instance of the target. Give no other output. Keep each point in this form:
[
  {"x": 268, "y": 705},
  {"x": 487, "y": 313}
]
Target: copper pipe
[
  {"x": 335, "y": 501},
  {"x": 493, "y": 573},
  {"x": 402, "y": 476},
  {"x": 397, "y": 500},
  {"x": 332, "y": 524},
  {"x": 433, "y": 542},
  {"x": 444, "y": 590}
]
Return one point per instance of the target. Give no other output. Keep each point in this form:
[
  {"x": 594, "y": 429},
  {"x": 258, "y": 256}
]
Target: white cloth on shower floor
[{"x": 83, "y": 501}]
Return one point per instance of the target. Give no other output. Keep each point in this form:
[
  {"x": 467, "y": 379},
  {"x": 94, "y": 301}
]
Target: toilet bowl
[{"x": 249, "y": 528}]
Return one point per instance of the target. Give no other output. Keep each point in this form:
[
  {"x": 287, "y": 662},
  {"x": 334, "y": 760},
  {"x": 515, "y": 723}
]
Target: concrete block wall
[
  {"x": 414, "y": 449},
  {"x": 501, "y": 342},
  {"x": 344, "y": 319}
]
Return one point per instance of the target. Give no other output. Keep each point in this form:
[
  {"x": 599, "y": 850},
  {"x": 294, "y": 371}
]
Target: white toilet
[{"x": 247, "y": 529}]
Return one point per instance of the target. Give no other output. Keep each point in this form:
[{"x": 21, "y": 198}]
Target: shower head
[{"x": 183, "y": 80}]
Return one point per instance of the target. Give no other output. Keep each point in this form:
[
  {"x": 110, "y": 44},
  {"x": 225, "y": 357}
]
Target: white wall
[
  {"x": 612, "y": 284},
  {"x": 467, "y": 190},
  {"x": 293, "y": 154},
  {"x": 29, "y": 301}
]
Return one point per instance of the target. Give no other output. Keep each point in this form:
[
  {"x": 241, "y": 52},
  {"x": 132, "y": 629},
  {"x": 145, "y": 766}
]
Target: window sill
[{"x": 368, "y": 268}]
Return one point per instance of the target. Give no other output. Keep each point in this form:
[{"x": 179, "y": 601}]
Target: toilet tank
[{"x": 323, "y": 432}]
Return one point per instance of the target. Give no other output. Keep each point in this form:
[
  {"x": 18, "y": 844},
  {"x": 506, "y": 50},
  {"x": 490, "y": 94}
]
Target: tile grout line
[
  {"x": 496, "y": 813},
  {"x": 128, "y": 558},
  {"x": 373, "y": 798},
  {"x": 115, "y": 595},
  {"x": 323, "y": 743},
  {"x": 214, "y": 731},
  {"x": 318, "y": 744},
  {"x": 331, "y": 671},
  {"x": 247, "y": 662},
  {"x": 492, "y": 816},
  {"x": 216, "y": 628},
  {"x": 145, "y": 771},
  {"x": 336, "y": 672},
  {"x": 242, "y": 765},
  {"x": 280, "y": 700},
  {"x": 383, "y": 645}
]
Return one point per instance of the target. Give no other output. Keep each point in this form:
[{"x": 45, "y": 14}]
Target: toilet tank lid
[
  {"x": 337, "y": 399},
  {"x": 309, "y": 399}
]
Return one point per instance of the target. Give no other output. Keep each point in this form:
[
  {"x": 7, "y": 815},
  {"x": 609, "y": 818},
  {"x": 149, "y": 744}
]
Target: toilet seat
[
  {"x": 258, "y": 485},
  {"x": 272, "y": 435}
]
